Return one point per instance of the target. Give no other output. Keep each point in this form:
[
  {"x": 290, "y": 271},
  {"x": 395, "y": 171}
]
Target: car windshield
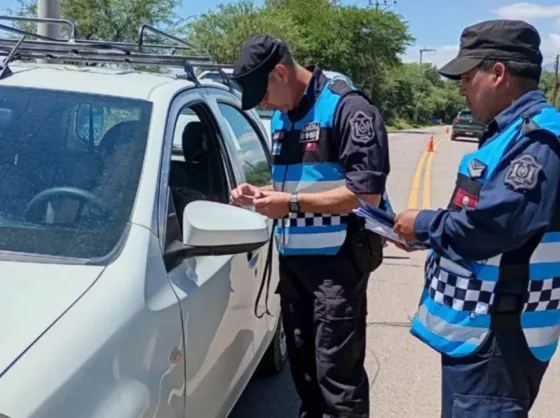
[
  {"x": 465, "y": 114},
  {"x": 70, "y": 165}
]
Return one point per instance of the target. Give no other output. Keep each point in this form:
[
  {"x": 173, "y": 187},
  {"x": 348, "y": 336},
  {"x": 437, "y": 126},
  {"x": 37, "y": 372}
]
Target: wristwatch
[{"x": 294, "y": 204}]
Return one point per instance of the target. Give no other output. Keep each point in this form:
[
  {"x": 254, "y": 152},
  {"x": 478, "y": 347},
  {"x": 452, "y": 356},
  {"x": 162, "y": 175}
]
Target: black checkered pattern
[
  {"x": 459, "y": 293},
  {"x": 313, "y": 219},
  {"x": 543, "y": 295}
]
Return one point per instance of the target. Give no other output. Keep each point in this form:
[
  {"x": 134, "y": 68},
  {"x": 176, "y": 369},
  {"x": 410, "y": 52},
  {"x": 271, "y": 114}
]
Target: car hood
[{"x": 32, "y": 297}]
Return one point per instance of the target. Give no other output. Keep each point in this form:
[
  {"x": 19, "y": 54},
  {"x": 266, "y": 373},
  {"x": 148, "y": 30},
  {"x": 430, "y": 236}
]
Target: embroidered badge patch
[
  {"x": 523, "y": 173},
  {"x": 310, "y": 132},
  {"x": 476, "y": 168},
  {"x": 278, "y": 136},
  {"x": 361, "y": 126}
]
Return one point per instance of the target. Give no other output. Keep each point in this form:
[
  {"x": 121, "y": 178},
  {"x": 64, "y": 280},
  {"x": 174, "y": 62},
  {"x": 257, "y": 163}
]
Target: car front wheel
[{"x": 276, "y": 355}]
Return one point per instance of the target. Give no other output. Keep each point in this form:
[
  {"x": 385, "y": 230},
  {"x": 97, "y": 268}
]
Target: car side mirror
[{"x": 211, "y": 228}]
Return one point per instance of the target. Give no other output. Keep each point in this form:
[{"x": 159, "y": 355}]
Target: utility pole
[
  {"x": 422, "y": 50},
  {"x": 555, "y": 91},
  {"x": 48, "y": 9},
  {"x": 378, "y": 3}
]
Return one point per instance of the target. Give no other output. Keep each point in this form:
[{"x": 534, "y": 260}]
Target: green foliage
[
  {"x": 362, "y": 43},
  {"x": 547, "y": 85},
  {"x": 115, "y": 20},
  {"x": 259, "y": 175}
]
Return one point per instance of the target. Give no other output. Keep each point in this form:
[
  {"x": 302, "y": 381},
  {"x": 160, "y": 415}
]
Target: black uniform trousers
[{"x": 324, "y": 308}]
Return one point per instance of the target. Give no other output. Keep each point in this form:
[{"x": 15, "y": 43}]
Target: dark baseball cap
[
  {"x": 258, "y": 57},
  {"x": 502, "y": 40}
]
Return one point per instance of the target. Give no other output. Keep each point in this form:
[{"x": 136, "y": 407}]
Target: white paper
[{"x": 383, "y": 230}]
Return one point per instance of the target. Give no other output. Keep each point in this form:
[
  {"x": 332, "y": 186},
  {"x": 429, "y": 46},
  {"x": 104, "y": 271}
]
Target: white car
[{"x": 127, "y": 280}]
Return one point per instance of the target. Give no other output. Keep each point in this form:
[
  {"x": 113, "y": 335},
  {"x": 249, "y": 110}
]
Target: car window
[
  {"x": 198, "y": 169},
  {"x": 61, "y": 193},
  {"x": 249, "y": 146}
]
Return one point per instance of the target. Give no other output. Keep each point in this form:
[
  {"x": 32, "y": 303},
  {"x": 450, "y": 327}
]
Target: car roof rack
[{"x": 72, "y": 49}]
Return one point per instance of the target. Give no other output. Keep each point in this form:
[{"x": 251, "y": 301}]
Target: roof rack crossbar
[
  {"x": 50, "y": 45},
  {"x": 98, "y": 48},
  {"x": 83, "y": 56},
  {"x": 145, "y": 27},
  {"x": 26, "y": 33},
  {"x": 134, "y": 45},
  {"x": 74, "y": 50},
  {"x": 61, "y": 22}
]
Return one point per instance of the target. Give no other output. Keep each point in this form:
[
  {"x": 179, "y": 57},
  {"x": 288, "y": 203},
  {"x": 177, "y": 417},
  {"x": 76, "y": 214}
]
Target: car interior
[{"x": 197, "y": 168}]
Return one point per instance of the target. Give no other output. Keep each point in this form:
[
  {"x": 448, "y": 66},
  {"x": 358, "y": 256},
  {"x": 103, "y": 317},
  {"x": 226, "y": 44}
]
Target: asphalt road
[{"x": 405, "y": 375}]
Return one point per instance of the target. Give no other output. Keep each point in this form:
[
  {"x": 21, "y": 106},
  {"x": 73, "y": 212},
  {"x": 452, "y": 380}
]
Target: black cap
[
  {"x": 502, "y": 40},
  {"x": 258, "y": 57}
]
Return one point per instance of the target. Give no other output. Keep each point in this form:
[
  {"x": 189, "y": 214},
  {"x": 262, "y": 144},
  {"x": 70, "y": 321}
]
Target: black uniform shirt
[{"x": 360, "y": 133}]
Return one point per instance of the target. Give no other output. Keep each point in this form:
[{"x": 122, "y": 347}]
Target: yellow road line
[
  {"x": 413, "y": 198},
  {"x": 415, "y": 189},
  {"x": 427, "y": 195}
]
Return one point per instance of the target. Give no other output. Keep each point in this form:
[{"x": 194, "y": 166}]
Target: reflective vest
[
  {"x": 305, "y": 160},
  {"x": 457, "y": 301}
]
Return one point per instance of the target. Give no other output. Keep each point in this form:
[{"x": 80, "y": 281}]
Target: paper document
[{"x": 382, "y": 223}]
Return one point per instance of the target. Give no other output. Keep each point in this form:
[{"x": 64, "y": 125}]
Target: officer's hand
[
  {"x": 273, "y": 204},
  {"x": 244, "y": 194},
  {"x": 404, "y": 224}
]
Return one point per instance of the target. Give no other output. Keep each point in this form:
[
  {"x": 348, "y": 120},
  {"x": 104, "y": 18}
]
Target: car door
[
  {"x": 215, "y": 292},
  {"x": 252, "y": 154}
]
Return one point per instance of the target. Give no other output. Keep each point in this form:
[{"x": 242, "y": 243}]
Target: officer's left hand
[
  {"x": 404, "y": 224},
  {"x": 273, "y": 204}
]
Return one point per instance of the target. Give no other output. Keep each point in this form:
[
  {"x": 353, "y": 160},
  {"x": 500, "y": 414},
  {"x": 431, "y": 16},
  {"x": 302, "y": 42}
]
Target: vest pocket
[{"x": 471, "y": 406}]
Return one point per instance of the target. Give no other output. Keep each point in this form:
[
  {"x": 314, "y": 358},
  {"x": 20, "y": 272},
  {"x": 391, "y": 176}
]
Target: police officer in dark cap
[
  {"x": 329, "y": 147},
  {"x": 491, "y": 302}
]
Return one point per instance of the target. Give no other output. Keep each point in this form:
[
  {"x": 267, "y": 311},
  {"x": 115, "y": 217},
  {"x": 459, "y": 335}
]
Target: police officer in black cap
[
  {"x": 491, "y": 303},
  {"x": 329, "y": 147}
]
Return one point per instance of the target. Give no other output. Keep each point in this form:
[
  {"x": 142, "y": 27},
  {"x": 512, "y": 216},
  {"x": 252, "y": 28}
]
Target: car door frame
[
  {"x": 217, "y": 95},
  {"x": 184, "y": 99}
]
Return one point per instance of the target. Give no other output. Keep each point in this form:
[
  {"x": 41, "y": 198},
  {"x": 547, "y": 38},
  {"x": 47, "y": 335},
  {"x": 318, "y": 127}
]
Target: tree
[
  {"x": 359, "y": 42},
  {"x": 115, "y": 20}
]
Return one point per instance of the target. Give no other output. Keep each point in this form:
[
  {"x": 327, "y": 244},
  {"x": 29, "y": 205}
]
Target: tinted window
[
  {"x": 70, "y": 165},
  {"x": 249, "y": 146}
]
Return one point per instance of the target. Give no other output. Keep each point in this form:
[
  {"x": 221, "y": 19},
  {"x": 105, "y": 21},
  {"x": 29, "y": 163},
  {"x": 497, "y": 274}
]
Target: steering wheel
[{"x": 34, "y": 213}]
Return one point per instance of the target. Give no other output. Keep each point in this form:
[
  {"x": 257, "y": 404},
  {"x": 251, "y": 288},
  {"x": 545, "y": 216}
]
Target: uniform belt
[{"x": 509, "y": 303}]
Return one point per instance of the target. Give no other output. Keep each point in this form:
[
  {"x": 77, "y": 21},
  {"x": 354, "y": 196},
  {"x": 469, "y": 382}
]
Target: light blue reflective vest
[
  {"x": 456, "y": 304},
  {"x": 304, "y": 160}
]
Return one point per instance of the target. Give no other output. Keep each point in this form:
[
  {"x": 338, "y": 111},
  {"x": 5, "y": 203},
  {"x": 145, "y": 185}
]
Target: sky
[{"x": 437, "y": 24}]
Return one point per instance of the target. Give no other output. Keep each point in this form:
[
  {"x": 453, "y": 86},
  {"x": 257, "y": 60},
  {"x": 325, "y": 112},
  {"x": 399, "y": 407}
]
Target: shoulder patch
[
  {"x": 361, "y": 127},
  {"x": 523, "y": 173},
  {"x": 340, "y": 86},
  {"x": 476, "y": 168},
  {"x": 529, "y": 125}
]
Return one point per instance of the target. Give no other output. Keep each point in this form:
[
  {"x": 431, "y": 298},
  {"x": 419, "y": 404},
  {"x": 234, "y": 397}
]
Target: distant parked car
[{"x": 465, "y": 125}]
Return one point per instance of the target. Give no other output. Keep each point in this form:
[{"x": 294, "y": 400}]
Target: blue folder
[{"x": 382, "y": 223}]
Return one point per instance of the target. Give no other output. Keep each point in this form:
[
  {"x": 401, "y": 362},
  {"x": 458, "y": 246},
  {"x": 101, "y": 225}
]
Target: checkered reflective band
[
  {"x": 543, "y": 295},
  {"x": 313, "y": 219},
  {"x": 459, "y": 293}
]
